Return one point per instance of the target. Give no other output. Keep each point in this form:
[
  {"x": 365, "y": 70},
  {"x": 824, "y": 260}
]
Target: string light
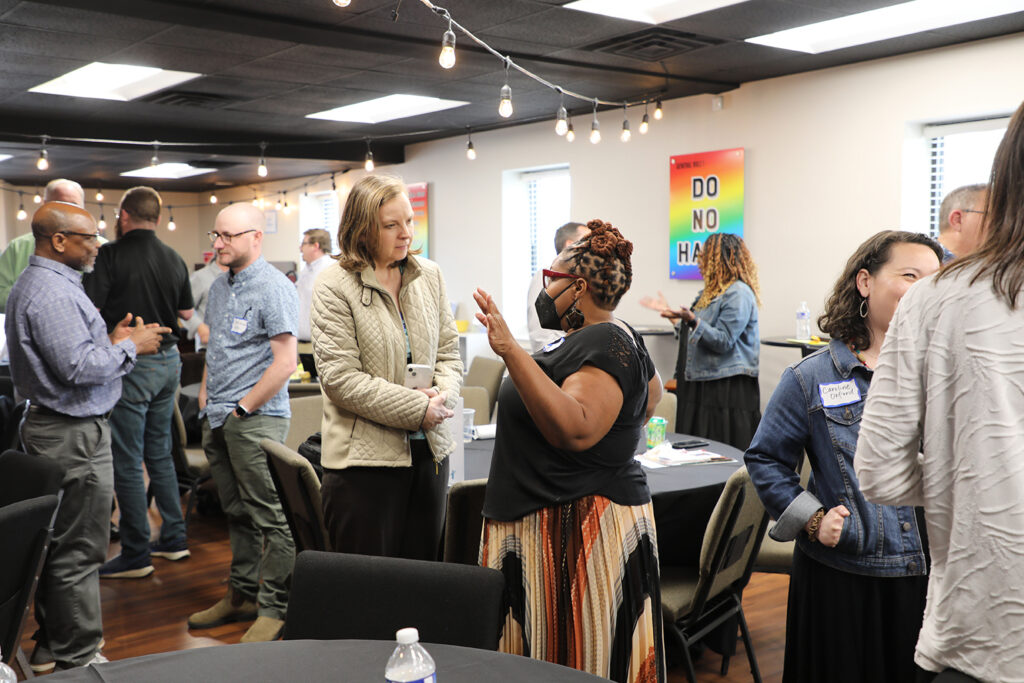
[
  {"x": 334, "y": 187},
  {"x": 22, "y": 214},
  {"x": 505, "y": 101},
  {"x": 625, "y": 135},
  {"x": 470, "y": 150},
  {"x": 278, "y": 205},
  {"x": 38, "y": 199},
  {"x": 261, "y": 169},
  {"x": 561, "y": 124},
  {"x": 213, "y": 198},
  {"x": 570, "y": 134},
  {"x": 171, "y": 225},
  {"x": 99, "y": 194},
  {"x": 368, "y": 164},
  {"x": 43, "y": 162},
  {"x": 595, "y": 128},
  {"x": 657, "y": 111},
  {"x": 155, "y": 159},
  {"x": 102, "y": 225},
  {"x": 645, "y": 122},
  {"x": 447, "y": 57},
  {"x": 287, "y": 209}
]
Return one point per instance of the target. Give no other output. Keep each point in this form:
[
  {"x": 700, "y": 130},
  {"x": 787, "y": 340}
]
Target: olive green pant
[{"x": 262, "y": 551}]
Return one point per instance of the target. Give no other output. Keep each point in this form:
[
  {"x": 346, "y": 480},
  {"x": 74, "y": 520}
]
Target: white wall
[{"x": 824, "y": 160}]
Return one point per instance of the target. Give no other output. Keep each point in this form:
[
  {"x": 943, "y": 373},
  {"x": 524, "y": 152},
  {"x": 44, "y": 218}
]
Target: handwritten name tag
[
  {"x": 553, "y": 345},
  {"x": 239, "y": 325},
  {"x": 839, "y": 393}
]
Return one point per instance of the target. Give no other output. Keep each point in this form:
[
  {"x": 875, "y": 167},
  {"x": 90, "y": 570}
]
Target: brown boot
[
  {"x": 263, "y": 630},
  {"x": 232, "y": 607}
]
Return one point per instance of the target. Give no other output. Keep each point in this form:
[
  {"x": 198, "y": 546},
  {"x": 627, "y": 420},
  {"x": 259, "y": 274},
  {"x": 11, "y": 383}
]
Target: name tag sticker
[
  {"x": 553, "y": 345},
  {"x": 839, "y": 393},
  {"x": 239, "y": 325}
]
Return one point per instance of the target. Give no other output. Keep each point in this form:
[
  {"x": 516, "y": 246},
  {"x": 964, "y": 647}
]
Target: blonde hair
[
  {"x": 359, "y": 231},
  {"x": 724, "y": 260}
]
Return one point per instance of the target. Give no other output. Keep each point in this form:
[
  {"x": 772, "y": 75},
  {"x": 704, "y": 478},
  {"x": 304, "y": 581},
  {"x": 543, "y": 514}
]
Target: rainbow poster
[
  {"x": 705, "y": 197},
  {"x": 418, "y": 199}
]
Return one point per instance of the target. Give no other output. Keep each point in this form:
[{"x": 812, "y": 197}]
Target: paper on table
[
  {"x": 484, "y": 431},
  {"x": 663, "y": 455}
]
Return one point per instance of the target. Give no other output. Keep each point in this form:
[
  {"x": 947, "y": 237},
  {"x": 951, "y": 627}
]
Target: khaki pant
[{"x": 262, "y": 551}]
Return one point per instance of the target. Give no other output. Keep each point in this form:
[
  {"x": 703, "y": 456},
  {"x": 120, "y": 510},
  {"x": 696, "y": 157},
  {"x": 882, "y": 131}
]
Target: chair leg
[
  {"x": 22, "y": 661},
  {"x": 691, "y": 673},
  {"x": 754, "y": 670}
]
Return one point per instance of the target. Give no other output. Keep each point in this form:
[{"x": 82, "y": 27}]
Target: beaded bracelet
[{"x": 812, "y": 531}]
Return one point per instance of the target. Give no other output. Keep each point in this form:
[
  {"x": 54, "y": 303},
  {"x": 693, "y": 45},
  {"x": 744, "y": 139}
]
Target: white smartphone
[{"x": 418, "y": 376}]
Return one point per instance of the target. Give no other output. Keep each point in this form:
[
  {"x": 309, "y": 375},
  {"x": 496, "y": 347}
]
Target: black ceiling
[{"x": 268, "y": 63}]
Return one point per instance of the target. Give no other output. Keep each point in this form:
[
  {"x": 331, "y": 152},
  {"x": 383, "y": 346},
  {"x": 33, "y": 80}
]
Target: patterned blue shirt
[
  {"x": 61, "y": 356},
  {"x": 244, "y": 311}
]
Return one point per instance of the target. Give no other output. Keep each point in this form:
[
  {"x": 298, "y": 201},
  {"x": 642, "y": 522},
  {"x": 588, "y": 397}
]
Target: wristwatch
[{"x": 241, "y": 411}]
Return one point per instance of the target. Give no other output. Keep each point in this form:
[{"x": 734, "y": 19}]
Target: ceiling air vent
[
  {"x": 185, "y": 98},
  {"x": 654, "y": 44}
]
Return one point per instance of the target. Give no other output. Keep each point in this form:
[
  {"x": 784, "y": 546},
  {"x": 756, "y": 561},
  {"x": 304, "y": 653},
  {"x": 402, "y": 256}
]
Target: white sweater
[{"x": 951, "y": 372}]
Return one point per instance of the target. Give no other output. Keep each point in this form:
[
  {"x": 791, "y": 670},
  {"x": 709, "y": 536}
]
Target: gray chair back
[
  {"x": 486, "y": 373},
  {"x": 477, "y": 399},
  {"x": 299, "y": 491},
  {"x": 307, "y": 418},
  {"x": 464, "y": 521},
  {"x": 666, "y": 408}
]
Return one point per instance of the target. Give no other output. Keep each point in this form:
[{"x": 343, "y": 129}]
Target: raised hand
[{"x": 498, "y": 335}]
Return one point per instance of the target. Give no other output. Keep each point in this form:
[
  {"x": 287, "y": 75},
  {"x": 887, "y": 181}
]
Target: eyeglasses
[
  {"x": 226, "y": 237},
  {"x": 974, "y": 211},
  {"x": 89, "y": 236},
  {"x": 552, "y": 275}
]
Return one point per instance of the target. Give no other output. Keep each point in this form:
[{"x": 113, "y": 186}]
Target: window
[
  {"x": 319, "y": 210},
  {"x": 535, "y": 203},
  {"x": 959, "y": 154}
]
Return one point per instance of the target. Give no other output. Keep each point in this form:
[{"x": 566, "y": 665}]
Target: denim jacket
[
  {"x": 817, "y": 408},
  {"x": 726, "y": 341}
]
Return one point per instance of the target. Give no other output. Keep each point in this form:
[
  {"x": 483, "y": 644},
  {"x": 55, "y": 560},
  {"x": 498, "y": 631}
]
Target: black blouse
[{"x": 527, "y": 473}]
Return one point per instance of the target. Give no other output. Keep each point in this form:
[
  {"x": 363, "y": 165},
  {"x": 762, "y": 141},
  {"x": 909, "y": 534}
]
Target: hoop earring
[
  {"x": 573, "y": 317},
  {"x": 864, "y": 307}
]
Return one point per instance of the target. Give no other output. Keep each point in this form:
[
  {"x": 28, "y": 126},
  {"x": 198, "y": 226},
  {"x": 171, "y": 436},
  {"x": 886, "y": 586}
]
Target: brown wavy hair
[
  {"x": 359, "y": 231},
  {"x": 603, "y": 259},
  {"x": 724, "y": 260},
  {"x": 1001, "y": 255},
  {"x": 841, "y": 319}
]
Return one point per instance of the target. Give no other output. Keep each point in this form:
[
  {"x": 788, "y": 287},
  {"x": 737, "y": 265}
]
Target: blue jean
[{"x": 140, "y": 429}]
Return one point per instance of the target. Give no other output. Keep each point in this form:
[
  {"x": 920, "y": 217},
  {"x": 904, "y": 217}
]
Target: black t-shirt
[
  {"x": 141, "y": 275},
  {"x": 527, "y": 473}
]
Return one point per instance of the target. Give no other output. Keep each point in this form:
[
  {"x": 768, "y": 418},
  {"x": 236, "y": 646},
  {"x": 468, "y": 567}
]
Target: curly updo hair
[
  {"x": 602, "y": 258},
  {"x": 842, "y": 319}
]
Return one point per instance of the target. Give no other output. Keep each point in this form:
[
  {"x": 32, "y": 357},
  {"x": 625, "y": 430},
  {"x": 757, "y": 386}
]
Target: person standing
[
  {"x": 253, "y": 316},
  {"x": 316, "y": 255},
  {"x": 200, "y": 282},
  {"x": 961, "y": 216},
  {"x": 70, "y": 370},
  {"x": 139, "y": 273},
  {"x": 539, "y": 336}
]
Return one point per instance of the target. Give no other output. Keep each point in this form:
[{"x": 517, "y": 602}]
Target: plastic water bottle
[
  {"x": 7, "y": 674},
  {"x": 803, "y": 321},
  {"x": 409, "y": 663}
]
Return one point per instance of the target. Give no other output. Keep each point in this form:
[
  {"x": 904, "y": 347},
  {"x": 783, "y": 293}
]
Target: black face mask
[{"x": 548, "y": 316}]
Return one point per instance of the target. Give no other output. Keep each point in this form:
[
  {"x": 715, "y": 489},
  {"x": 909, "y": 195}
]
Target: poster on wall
[
  {"x": 419, "y": 200},
  {"x": 705, "y": 197}
]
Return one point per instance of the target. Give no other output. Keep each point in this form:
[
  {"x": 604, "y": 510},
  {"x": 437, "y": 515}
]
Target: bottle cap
[{"x": 407, "y": 636}]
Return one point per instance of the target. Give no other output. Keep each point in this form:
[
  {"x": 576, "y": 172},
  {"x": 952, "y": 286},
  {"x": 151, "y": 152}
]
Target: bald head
[
  {"x": 64, "y": 190},
  {"x": 66, "y": 233},
  {"x": 240, "y": 240},
  {"x": 242, "y": 215},
  {"x": 54, "y": 216}
]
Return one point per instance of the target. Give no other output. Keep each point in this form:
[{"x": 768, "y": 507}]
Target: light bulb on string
[
  {"x": 102, "y": 224},
  {"x": 447, "y": 57},
  {"x": 261, "y": 168},
  {"x": 155, "y": 159},
  {"x": 171, "y": 225},
  {"x": 43, "y": 162},
  {"x": 625, "y": 135},
  {"x": 470, "y": 150},
  {"x": 505, "y": 96},
  {"x": 334, "y": 186},
  {"x": 99, "y": 194},
  {"x": 368, "y": 163},
  {"x": 278, "y": 205},
  {"x": 342, "y": 3},
  {"x": 287, "y": 209},
  {"x": 658, "y": 113},
  {"x": 561, "y": 121},
  {"x": 38, "y": 199},
  {"x": 22, "y": 214},
  {"x": 570, "y": 134},
  {"x": 213, "y": 198},
  {"x": 644, "y": 125},
  {"x": 595, "y": 128},
  {"x": 256, "y": 201}
]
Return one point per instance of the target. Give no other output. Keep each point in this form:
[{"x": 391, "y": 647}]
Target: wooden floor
[{"x": 146, "y": 616}]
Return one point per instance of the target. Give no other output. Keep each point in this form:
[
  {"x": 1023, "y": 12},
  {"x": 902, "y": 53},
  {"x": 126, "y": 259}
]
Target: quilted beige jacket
[{"x": 360, "y": 356}]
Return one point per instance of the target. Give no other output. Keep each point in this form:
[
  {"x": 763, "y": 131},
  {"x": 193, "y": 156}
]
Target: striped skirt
[{"x": 581, "y": 587}]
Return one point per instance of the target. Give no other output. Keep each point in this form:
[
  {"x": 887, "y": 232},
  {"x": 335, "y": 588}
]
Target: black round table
[
  {"x": 806, "y": 347},
  {"x": 311, "y": 661},
  {"x": 683, "y": 495}
]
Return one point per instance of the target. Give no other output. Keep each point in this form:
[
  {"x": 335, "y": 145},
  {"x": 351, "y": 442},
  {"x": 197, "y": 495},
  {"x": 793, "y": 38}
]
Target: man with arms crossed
[
  {"x": 70, "y": 370},
  {"x": 253, "y": 317},
  {"x": 141, "y": 274}
]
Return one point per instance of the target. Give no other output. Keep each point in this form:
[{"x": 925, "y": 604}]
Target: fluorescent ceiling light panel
[
  {"x": 5, "y": 157},
  {"x": 885, "y": 23},
  {"x": 168, "y": 170},
  {"x": 649, "y": 11},
  {"x": 121, "y": 82},
  {"x": 387, "y": 109}
]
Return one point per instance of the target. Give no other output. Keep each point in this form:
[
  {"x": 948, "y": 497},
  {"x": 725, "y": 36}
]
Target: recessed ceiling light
[
  {"x": 5, "y": 157},
  {"x": 649, "y": 11},
  {"x": 121, "y": 82},
  {"x": 168, "y": 170},
  {"x": 387, "y": 109},
  {"x": 885, "y": 23}
]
